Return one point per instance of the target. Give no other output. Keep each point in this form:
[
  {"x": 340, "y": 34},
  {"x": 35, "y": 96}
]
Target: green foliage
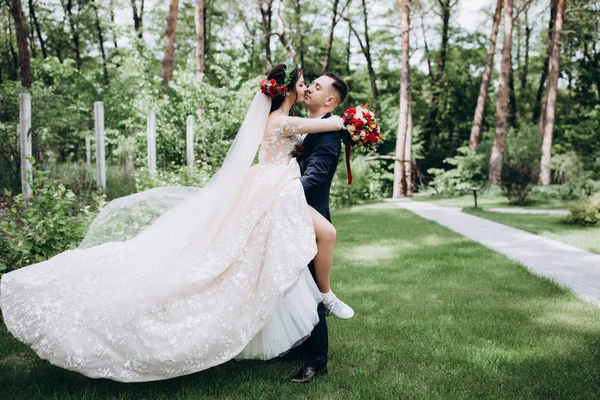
[
  {"x": 51, "y": 222},
  {"x": 586, "y": 211},
  {"x": 469, "y": 170},
  {"x": 369, "y": 182},
  {"x": 176, "y": 176},
  {"x": 521, "y": 164}
]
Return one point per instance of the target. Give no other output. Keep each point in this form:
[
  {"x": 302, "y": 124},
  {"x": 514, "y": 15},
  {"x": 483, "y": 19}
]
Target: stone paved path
[
  {"x": 528, "y": 211},
  {"x": 568, "y": 266}
]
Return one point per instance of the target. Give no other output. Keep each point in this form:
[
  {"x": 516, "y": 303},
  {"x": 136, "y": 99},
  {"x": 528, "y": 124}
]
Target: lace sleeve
[{"x": 289, "y": 126}]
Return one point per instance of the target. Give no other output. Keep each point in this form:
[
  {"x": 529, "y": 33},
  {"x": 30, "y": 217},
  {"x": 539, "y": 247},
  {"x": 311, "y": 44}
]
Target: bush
[
  {"x": 369, "y": 182},
  {"x": 54, "y": 220},
  {"x": 470, "y": 169},
  {"x": 521, "y": 164},
  {"x": 178, "y": 175},
  {"x": 586, "y": 211}
]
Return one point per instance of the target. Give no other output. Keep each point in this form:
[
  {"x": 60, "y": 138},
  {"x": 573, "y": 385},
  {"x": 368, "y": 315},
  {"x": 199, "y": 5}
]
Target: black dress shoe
[{"x": 307, "y": 373}]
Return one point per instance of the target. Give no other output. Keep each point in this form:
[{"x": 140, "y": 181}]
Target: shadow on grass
[{"x": 437, "y": 316}]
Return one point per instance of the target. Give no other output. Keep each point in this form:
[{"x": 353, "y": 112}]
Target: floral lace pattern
[
  {"x": 276, "y": 147},
  {"x": 177, "y": 298}
]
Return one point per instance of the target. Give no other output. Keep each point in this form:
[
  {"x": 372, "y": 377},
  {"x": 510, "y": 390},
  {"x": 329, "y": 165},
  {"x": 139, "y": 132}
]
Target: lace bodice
[{"x": 276, "y": 147}]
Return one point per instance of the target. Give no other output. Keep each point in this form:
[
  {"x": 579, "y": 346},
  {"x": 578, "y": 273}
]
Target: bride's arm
[{"x": 297, "y": 126}]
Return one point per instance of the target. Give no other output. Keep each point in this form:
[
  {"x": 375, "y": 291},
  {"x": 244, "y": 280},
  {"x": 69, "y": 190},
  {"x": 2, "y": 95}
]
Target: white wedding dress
[{"x": 220, "y": 274}]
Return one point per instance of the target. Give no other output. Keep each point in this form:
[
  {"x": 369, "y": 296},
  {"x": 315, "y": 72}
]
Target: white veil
[{"x": 126, "y": 217}]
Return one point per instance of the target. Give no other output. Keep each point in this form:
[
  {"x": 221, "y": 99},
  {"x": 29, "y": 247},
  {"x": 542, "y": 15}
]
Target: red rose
[
  {"x": 283, "y": 88},
  {"x": 370, "y": 138},
  {"x": 273, "y": 91},
  {"x": 273, "y": 82},
  {"x": 263, "y": 82},
  {"x": 351, "y": 111},
  {"x": 359, "y": 124},
  {"x": 353, "y": 121}
]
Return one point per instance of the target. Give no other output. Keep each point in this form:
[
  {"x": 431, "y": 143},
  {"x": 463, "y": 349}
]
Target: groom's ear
[{"x": 331, "y": 100}]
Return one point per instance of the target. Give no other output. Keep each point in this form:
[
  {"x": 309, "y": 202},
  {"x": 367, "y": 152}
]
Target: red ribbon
[{"x": 348, "y": 150}]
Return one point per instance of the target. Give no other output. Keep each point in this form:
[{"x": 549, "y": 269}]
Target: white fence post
[
  {"x": 25, "y": 136},
  {"x": 151, "y": 134},
  {"x": 88, "y": 150},
  {"x": 100, "y": 162},
  {"x": 189, "y": 137}
]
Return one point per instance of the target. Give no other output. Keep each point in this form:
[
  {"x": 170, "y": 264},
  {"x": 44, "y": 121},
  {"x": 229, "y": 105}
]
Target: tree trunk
[
  {"x": 167, "y": 70},
  {"x": 512, "y": 100},
  {"x": 281, "y": 32},
  {"x": 21, "y": 31},
  {"x": 199, "y": 19},
  {"x": 266, "y": 15},
  {"x": 112, "y": 22},
  {"x": 299, "y": 31},
  {"x": 437, "y": 85},
  {"x": 15, "y": 59},
  {"x": 502, "y": 104},
  {"x": 138, "y": 18},
  {"x": 334, "y": 21},
  {"x": 400, "y": 166},
  {"x": 539, "y": 100},
  {"x": 408, "y": 149},
  {"x": 374, "y": 93},
  {"x": 485, "y": 81},
  {"x": 551, "y": 89},
  {"x": 38, "y": 31},
  {"x": 100, "y": 42},
  {"x": 525, "y": 69},
  {"x": 74, "y": 32}
]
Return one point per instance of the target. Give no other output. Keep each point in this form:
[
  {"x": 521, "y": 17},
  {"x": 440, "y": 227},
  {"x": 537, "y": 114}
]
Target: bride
[{"x": 217, "y": 273}]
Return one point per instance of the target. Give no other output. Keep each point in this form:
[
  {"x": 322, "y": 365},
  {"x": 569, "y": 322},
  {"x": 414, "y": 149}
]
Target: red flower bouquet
[
  {"x": 362, "y": 129},
  {"x": 298, "y": 150}
]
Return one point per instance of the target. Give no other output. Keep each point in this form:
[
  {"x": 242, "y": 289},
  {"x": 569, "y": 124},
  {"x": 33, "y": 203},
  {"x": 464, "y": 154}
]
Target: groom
[{"x": 318, "y": 163}]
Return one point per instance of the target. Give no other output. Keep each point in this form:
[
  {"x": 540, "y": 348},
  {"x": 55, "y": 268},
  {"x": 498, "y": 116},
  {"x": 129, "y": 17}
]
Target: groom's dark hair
[{"x": 338, "y": 84}]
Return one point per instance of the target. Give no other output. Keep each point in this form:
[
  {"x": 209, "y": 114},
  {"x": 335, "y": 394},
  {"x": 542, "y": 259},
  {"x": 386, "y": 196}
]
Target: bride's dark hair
[{"x": 278, "y": 73}]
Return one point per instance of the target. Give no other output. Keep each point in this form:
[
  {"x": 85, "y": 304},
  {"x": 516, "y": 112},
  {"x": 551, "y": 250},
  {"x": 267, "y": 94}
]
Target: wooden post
[
  {"x": 474, "y": 190},
  {"x": 88, "y": 150},
  {"x": 151, "y": 133},
  {"x": 190, "y": 142},
  {"x": 25, "y": 136},
  {"x": 100, "y": 162}
]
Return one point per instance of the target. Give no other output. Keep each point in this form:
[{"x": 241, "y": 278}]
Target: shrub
[
  {"x": 470, "y": 169},
  {"x": 586, "y": 211},
  {"x": 53, "y": 221},
  {"x": 369, "y": 181},
  {"x": 521, "y": 164}
]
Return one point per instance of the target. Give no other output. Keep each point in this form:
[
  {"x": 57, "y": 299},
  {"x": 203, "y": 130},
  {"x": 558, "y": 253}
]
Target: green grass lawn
[
  {"x": 492, "y": 200},
  {"x": 437, "y": 317},
  {"x": 551, "y": 226}
]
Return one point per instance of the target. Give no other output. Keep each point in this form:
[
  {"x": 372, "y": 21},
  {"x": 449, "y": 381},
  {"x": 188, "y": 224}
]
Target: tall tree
[
  {"x": 502, "y": 103},
  {"x": 21, "y": 29},
  {"x": 138, "y": 17},
  {"x": 299, "y": 31},
  {"x": 335, "y": 18},
  {"x": 74, "y": 28},
  {"x": 365, "y": 47},
  {"x": 111, "y": 6},
  {"x": 438, "y": 82},
  {"x": 199, "y": 21},
  {"x": 400, "y": 184},
  {"x": 485, "y": 81},
  {"x": 549, "y": 111},
  {"x": 266, "y": 13},
  {"x": 167, "y": 70},
  {"x": 100, "y": 41},
  {"x": 38, "y": 30},
  {"x": 539, "y": 100},
  {"x": 282, "y": 33}
]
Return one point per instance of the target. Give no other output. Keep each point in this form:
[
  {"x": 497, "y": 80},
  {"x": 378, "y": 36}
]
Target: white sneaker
[{"x": 339, "y": 309}]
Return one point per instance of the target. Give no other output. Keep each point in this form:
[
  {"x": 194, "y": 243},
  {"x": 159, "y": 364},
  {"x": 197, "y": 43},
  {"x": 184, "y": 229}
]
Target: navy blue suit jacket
[{"x": 318, "y": 163}]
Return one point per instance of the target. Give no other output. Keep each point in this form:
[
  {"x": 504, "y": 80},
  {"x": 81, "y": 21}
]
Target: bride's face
[{"x": 300, "y": 89}]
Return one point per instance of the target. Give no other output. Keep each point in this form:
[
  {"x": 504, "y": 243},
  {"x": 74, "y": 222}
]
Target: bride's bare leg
[{"x": 326, "y": 234}]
